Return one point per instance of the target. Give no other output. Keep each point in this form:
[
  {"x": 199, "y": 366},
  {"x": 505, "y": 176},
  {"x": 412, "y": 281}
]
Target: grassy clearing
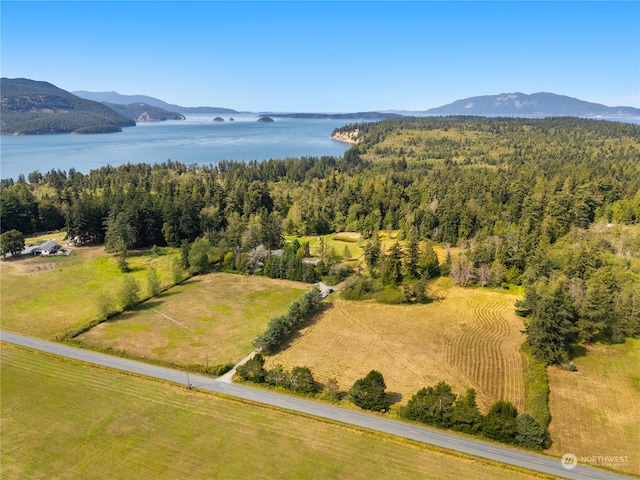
[
  {"x": 62, "y": 419},
  {"x": 355, "y": 243},
  {"x": 43, "y": 296},
  {"x": 418, "y": 145},
  {"x": 337, "y": 241},
  {"x": 470, "y": 338},
  {"x": 38, "y": 239},
  {"x": 209, "y": 319},
  {"x": 595, "y": 411}
]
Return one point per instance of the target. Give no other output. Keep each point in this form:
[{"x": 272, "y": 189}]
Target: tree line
[{"x": 435, "y": 406}]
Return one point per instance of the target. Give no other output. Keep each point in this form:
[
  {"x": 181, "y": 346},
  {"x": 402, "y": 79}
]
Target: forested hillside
[
  {"x": 143, "y": 112},
  {"x": 521, "y": 198},
  {"x": 30, "y": 107}
]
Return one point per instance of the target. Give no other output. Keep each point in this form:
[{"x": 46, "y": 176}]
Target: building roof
[{"x": 48, "y": 245}]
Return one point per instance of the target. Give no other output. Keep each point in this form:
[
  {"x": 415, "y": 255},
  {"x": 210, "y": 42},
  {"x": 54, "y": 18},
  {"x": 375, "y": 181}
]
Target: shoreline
[{"x": 347, "y": 137}]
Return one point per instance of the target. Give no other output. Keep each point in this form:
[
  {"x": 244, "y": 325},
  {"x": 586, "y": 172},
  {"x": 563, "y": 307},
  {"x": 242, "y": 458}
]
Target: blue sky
[{"x": 327, "y": 56}]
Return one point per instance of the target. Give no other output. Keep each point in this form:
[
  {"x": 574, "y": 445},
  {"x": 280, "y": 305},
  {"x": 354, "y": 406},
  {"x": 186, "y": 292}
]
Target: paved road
[{"x": 490, "y": 451}]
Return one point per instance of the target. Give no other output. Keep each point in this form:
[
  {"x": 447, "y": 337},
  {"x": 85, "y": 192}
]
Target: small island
[
  {"x": 218, "y": 119},
  {"x": 265, "y": 119}
]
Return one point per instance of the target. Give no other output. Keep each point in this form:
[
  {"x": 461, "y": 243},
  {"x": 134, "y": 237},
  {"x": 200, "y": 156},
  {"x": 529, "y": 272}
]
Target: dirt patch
[{"x": 38, "y": 268}]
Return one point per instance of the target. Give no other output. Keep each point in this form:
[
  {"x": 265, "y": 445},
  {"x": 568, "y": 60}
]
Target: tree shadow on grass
[
  {"x": 576, "y": 351},
  {"x": 190, "y": 280},
  {"x": 393, "y": 397},
  {"x": 131, "y": 269},
  {"x": 150, "y": 304},
  {"x": 295, "y": 336}
]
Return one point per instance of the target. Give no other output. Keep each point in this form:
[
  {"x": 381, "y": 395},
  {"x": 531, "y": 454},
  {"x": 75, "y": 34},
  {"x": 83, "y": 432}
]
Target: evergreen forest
[{"x": 550, "y": 204}]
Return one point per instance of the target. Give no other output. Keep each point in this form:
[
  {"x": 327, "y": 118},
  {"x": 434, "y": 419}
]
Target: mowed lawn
[
  {"x": 66, "y": 420},
  {"x": 596, "y": 410},
  {"x": 209, "y": 319},
  {"x": 470, "y": 338},
  {"x": 44, "y": 296}
]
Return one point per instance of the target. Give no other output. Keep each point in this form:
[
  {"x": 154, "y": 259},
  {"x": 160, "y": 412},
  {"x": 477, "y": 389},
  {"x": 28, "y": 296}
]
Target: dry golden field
[
  {"x": 469, "y": 338},
  {"x": 596, "y": 410}
]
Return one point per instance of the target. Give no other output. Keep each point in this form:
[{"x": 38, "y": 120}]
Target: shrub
[
  {"x": 153, "y": 283},
  {"x": 301, "y": 380},
  {"x": 216, "y": 370},
  {"x": 361, "y": 288},
  {"x": 500, "y": 422},
  {"x": 128, "y": 293},
  {"x": 432, "y": 405},
  {"x": 465, "y": 415},
  {"x": 391, "y": 295},
  {"x": 368, "y": 393},
  {"x": 331, "y": 391},
  {"x": 530, "y": 434},
  {"x": 252, "y": 370},
  {"x": 278, "y": 377}
]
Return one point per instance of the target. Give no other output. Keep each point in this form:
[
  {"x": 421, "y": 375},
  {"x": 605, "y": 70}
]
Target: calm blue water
[{"x": 197, "y": 140}]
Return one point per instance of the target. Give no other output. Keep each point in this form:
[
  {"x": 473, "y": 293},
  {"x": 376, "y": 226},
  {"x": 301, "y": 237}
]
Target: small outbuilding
[{"x": 49, "y": 247}]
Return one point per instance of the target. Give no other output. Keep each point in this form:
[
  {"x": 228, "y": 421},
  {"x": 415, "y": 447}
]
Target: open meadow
[
  {"x": 470, "y": 338},
  {"x": 44, "y": 296},
  {"x": 209, "y": 319},
  {"x": 595, "y": 411},
  {"x": 63, "y": 419},
  {"x": 355, "y": 243}
]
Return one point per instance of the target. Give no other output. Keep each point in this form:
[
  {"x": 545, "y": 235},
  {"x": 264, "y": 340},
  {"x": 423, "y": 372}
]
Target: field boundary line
[{"x": 173, "y": 320}]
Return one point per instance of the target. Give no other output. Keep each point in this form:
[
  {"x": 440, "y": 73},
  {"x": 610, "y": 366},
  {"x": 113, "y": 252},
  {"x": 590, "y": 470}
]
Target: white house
[{"x": 47, "y": 248}]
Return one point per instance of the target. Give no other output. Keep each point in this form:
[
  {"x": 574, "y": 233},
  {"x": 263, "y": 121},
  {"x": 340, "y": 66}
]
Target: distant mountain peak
[
  {"x": 118, "y": 99},
  {"x": 542, "y": 104}
]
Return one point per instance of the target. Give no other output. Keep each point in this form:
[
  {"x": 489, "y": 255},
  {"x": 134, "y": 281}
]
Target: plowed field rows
[{"x": 469, "y": 338}]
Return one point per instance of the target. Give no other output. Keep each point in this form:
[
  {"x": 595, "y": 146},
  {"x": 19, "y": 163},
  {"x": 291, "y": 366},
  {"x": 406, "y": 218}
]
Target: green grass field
[
  {"x": 210, "y": 319},
  {"x": 43, "y": 296},
  {"x": 356, "y": 244},
  {"x": 66, "y": 420}
]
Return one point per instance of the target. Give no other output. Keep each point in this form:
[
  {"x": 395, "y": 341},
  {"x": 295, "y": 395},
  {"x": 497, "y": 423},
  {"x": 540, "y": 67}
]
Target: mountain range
[
  {"x": 116, "y": 98},
  {"x": 35, "y": 107},
  {"x": 542, "y": 104},
  {"x": 508, "y": 104}
]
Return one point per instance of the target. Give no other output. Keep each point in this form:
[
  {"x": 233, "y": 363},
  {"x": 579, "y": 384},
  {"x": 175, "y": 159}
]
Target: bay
[{"x": 196, "y": 140}]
